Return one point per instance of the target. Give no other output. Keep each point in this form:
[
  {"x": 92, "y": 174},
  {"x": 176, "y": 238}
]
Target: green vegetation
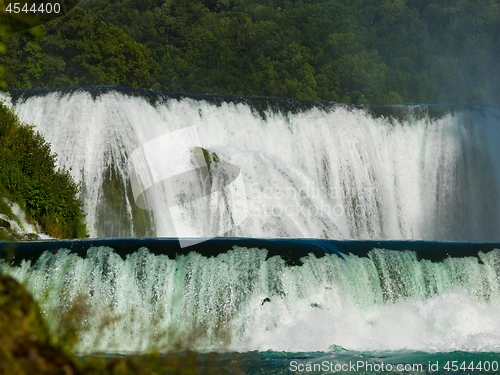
[
  {"x": 363, "y": 51},
  {"x": 77, "y": 49},
  {"x": 6, "y": 33},
  {"x": 29, "y": 177}
]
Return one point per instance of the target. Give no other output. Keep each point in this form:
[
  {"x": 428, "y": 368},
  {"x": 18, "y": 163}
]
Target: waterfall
[
  {"x": 359, "y": 296},
  {"x": 309, "y": 170}
]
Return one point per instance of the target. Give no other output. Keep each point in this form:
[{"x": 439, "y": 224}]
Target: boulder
[
  {"x": 4, "y": 223},
  {"x": 31, "y": 237}
]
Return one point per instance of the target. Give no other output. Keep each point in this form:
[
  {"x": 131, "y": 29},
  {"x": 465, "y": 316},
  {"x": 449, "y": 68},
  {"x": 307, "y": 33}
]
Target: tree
[{"x": 79, "y": 49}]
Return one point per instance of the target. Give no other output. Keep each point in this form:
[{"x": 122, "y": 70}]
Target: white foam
[
  {"x": 22, "y": 225},
  {"x": 339, "y": 174},
  {"x": 241, "y": 301}
]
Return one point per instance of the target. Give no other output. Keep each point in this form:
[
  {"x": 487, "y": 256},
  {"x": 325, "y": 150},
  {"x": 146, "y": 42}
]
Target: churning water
[
  {"x": 318, "y": 173},
  {"x": 310, "y": 170}
]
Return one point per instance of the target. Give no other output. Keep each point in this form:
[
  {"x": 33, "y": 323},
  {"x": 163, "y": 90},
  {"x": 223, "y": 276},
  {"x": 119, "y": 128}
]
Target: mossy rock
[
  {"x": 6, "y": 235},
  {"x": 4, "y": 223},
  {"x": 205, "y": 160},
  {"x": 113, "y": 218}
]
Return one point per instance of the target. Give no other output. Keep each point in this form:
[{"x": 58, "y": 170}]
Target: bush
[{"x": 28, "y": 176}]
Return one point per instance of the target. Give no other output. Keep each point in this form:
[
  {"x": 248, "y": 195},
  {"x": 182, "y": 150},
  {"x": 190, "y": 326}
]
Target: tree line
[{"x": 351, "y": 51}]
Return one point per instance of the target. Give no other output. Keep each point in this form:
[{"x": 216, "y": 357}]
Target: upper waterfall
[{"x": 309, "y": 170}]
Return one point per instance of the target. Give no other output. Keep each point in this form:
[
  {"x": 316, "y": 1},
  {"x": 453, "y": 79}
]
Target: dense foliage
[
  {"x": 354, "y": 51},
  {"x": 6, "y": 32},
  {"x": 78, "y": 49},
  {"x": 29, "y": 177}
]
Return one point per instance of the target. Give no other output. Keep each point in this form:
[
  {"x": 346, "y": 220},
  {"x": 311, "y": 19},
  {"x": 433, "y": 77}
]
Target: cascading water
[
  {"x": 251, "y": 298},
  {"x": 310, "y": 170}
]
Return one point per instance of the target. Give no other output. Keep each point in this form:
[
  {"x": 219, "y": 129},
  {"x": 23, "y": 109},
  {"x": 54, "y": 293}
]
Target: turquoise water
[
  {"x": 344, "y": 362},
  {"x": 291, "y": 299},
  {"x": 277, "y": 306}
]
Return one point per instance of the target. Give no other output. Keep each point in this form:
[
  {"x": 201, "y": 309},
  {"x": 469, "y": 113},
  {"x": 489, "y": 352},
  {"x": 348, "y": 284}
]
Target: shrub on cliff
[{"x": 28, "y": 176}]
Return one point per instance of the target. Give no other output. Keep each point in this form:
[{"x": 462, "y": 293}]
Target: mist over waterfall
[{"x": 310, "y": 170}]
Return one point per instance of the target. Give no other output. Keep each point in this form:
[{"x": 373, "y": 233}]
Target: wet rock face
[
  {"x": 15, "y": 225},
  {"x": 4, "y": 223},
  {"x": 30, "y": 237},
  {"x": 10, "y": 234}
]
